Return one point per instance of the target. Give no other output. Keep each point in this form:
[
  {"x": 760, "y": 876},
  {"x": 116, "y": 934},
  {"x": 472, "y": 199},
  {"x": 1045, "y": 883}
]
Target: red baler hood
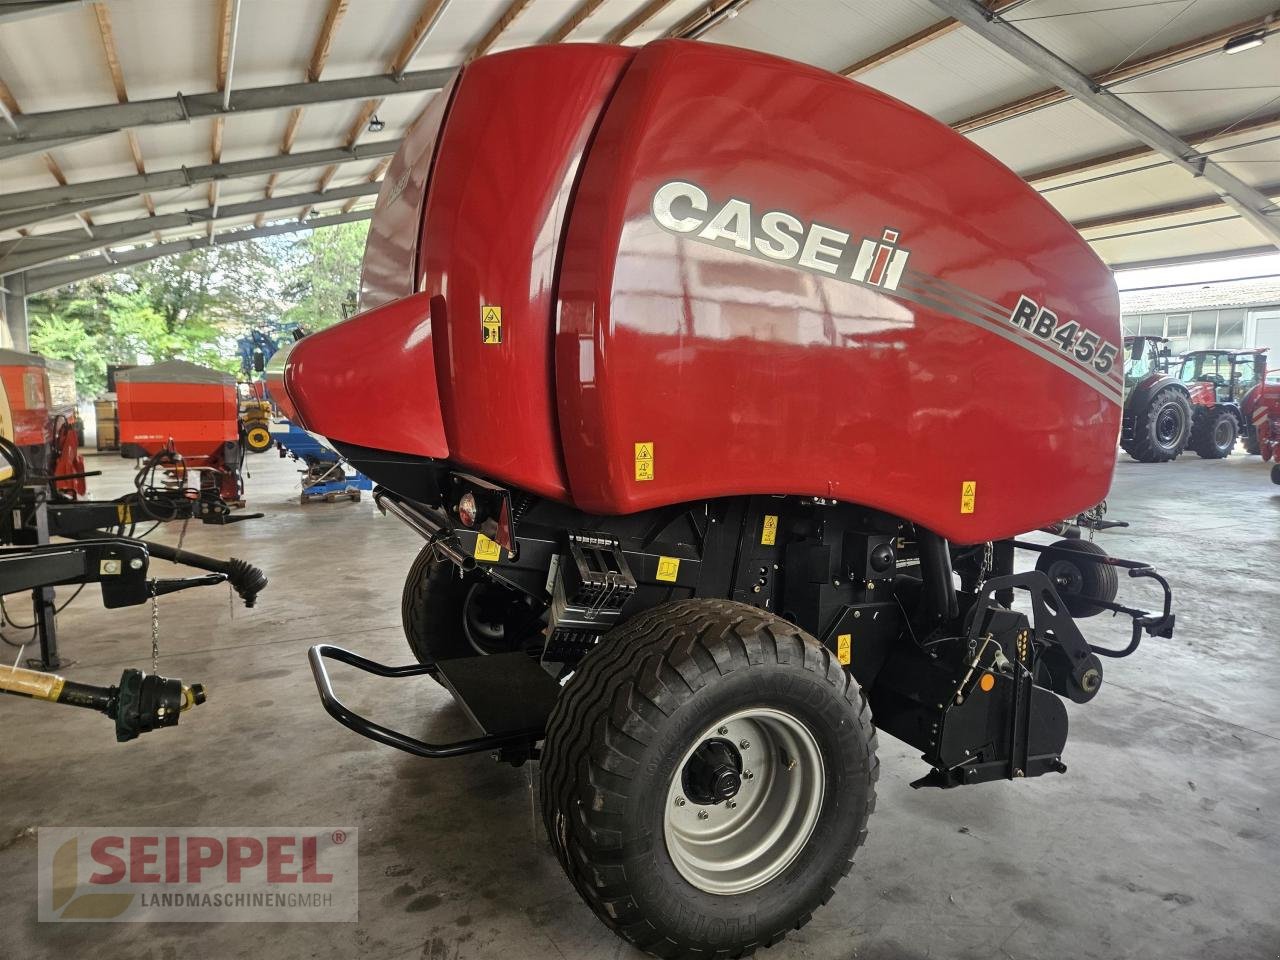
[
  {"x": 691, "y": 271},
  {"x": 363, "y": 381}
]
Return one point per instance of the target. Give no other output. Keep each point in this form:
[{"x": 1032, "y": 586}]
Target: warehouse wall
[{"x": 1192, "y": 330}]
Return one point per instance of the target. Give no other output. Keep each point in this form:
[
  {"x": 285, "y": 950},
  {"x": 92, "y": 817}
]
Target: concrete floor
[{"x": 1163, "y": 840}]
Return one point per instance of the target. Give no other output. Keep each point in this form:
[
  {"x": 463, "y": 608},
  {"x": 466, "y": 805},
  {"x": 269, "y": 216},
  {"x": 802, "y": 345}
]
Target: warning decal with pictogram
[{"x": 491, "y": 324}]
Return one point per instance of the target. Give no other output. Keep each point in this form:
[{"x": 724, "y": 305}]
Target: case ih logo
[
  {"x": 778, "y": 236},
  {"x": 196, "y": 874},
  {"x": 881, "y": 263}
]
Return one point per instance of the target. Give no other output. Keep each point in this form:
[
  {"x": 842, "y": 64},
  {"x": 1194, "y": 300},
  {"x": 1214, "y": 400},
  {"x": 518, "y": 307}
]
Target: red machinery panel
[
  {"x": 194, "y": 406},
  {"x": 370, "y": 380},
  {"x": 499, "y": 195},
  {"x": 770, "y": 280},
  {"x": 27, "y": 385},
  {"x": 776, "y": 280},
  {"x": 391, "y": 250}
]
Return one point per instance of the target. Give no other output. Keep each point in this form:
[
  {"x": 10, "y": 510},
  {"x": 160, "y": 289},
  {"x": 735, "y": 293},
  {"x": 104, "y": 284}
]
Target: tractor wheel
[
  {"x": 707, "y": 775},
  {"x": 257, "y": 439},
  {"x": 1213, "y": 435},
  {"x": 446, "y": 616},
  {"x": 1161, "y": 431},
  {"x": 1079, "y": 581}
]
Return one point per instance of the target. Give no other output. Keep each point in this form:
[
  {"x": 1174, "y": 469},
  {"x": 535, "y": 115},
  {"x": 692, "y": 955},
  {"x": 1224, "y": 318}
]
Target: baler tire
[
  {"x": 1085, "y": 581},
  {"x": 434, "y": 610},
  {"x": 1146, "y": 445},
  {"x": 1214, "y": 432},
  {"x": 1275, "y": 473},
  {"x": 624, "y": 729},
  {"x": 1252, "y": 445}
]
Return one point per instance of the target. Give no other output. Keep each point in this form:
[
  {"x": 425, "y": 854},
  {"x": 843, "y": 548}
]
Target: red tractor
[
  {"x": 658, "y": 353},
  {"x": 1157, "y": 406},
  {"x": 1225, "y": 387}
]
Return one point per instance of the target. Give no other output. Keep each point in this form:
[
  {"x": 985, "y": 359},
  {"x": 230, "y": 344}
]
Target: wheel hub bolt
[
  {"x": 703, "y": 815},
  {"x": 680, "y": 801},
  {"x": 744, "y": 744},
  {"x": 731, "y": 804},
  {"x": 722, "y": 731}
]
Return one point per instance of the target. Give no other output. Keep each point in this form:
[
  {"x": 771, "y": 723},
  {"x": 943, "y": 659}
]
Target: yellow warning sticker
[
  {"x": 968, "y": 496},
  {"x": 844, "y": 648},
  {"x": 769, "y": 535},
  {"x": 644, "y": 461},
  {"x": 124, "y": 514},
  {"x": 491, "y": 324},
  {"x": 487, "y": 550},
  {"x": 668, "y": 569}
]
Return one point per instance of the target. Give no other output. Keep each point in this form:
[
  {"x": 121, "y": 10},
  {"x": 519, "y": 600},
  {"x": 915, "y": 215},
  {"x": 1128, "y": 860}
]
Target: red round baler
[{"x": 720, "y": 388}]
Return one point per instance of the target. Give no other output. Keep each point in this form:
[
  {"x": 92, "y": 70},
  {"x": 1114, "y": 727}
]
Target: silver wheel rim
[{"x": 735, "y": 846}]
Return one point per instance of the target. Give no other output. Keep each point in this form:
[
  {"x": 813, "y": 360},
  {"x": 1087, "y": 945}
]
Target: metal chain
[
  {"x": 988, "y": 562},
  {"x": 155, "y": 630}
]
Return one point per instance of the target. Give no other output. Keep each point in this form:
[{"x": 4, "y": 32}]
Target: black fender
[{"x": 1141, "y": 394}]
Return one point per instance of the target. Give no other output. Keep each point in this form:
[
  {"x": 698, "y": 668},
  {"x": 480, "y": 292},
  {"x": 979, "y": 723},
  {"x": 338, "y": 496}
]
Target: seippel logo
[
  {"x": 197, "y": 874},
  {"x": 70, "y": 901},
  {"x": 684, "y": 208}
]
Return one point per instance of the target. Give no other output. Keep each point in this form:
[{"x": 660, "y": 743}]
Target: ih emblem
[{"x": 881, "y": 262}]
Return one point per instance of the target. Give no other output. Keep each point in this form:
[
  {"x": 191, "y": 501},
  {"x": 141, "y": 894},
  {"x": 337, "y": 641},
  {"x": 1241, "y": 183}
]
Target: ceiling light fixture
[
  {"x": 376, "y": 125},
  {"x": 1245, "y": 41}
]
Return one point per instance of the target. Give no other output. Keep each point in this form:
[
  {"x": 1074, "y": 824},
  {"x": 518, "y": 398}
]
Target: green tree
[
  {"x": 195, "y": 305},
  {"x": 326, "y": 276}
]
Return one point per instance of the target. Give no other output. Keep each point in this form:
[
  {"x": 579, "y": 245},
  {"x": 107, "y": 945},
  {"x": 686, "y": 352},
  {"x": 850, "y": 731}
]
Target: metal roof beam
[
  {"x": 60, "y": 274},
  {"x": 114, "y": 187},
  {"x": 636, "y": 21},
  {"x": 1163, "y": 60},
  {"x": 935, "y": 31},
  {"x": 1200, "y": 138},
  {"x": 25, "y": 218},
  {"x": 37, "y": 131},
  {"x": 1182, "y": 208},
  {"x": 26, "y": 252},
  {"x": 1251, "y": 204}
]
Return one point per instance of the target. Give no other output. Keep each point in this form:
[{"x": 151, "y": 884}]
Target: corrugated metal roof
[{"x": 1132, "y": 209}]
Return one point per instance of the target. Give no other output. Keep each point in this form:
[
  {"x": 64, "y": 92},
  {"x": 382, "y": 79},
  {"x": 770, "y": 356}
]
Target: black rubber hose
[
  {"x": 935, "y": 566},
  {"x": 246, "y": 579}
]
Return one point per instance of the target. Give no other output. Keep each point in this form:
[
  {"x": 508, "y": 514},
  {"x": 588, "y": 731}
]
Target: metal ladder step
[{"x": 503, "y": 694}]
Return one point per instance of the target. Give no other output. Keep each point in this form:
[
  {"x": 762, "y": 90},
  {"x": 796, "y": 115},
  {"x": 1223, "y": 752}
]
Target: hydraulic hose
[{"x": 247, "y": 580}]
